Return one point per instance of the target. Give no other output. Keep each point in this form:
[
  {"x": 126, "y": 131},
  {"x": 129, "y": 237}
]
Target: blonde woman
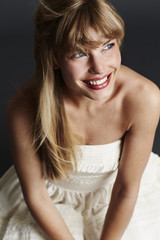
[{"x": 81, "y": 133}]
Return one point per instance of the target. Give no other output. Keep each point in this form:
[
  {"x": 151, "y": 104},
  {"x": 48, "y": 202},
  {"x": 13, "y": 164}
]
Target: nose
[{"x": 96, "y": 65}]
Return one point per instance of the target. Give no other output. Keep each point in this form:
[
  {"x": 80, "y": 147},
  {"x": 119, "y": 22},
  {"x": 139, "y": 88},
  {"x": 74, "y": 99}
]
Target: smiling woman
[
  {"x": 80, "y": 139},
  {"x": 69, "y": 21}
]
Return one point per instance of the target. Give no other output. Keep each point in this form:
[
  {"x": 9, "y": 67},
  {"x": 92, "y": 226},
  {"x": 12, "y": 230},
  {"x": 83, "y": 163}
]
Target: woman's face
[{"x": 92, "y": 73}]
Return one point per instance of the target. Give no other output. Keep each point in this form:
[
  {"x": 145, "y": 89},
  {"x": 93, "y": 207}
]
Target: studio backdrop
[{"x": 141, "y": 51}]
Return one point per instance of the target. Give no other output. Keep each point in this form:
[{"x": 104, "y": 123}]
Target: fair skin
[{"x": 128, "y": 106}]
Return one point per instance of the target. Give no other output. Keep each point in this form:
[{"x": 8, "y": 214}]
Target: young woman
[{"x": 81, "y": 133}]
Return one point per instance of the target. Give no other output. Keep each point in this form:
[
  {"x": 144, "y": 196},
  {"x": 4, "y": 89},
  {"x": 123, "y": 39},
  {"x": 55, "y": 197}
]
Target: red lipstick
[{"x": 98, "y": 83}]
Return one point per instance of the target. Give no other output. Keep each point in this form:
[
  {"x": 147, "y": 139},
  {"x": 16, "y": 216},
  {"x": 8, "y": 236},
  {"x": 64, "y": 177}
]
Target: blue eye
[
  {"x": 78, "y": 55},
  {"x": 109, "y": 46}
]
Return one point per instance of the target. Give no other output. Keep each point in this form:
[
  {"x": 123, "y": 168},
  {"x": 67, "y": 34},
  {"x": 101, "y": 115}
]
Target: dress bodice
[{"x": 99, "y": 158}]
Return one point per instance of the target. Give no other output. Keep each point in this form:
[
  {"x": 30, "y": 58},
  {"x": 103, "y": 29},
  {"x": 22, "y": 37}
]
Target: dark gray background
[{"x": 141, "y": 51}]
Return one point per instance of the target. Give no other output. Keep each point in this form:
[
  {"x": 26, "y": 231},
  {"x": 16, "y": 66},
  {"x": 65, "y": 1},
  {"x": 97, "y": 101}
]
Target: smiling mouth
[{"x": 98, "y": 84}]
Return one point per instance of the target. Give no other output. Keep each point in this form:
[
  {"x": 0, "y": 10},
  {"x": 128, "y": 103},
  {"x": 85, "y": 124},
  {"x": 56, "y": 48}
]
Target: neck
[{"x": 84, "y": 102}]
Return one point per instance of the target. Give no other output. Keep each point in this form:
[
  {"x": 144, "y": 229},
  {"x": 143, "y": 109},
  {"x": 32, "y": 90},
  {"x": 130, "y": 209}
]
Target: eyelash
[
  {"x": 81, "y": 54},
  {"x": 109, "y": 46},
  {"x": 77, "y": 55}
]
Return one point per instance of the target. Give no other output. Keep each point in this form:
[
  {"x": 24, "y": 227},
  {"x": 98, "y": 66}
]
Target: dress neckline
[{"x": 117, "y": 142}]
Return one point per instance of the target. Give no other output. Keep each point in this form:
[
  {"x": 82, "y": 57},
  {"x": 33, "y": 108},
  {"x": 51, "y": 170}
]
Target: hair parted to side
[{"x": 60, "y": 26}]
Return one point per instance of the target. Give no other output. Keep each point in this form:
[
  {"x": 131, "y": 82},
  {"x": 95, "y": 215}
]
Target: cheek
[{"x": 116, "y": 59}]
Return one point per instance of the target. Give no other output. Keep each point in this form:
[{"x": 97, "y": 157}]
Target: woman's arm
[
  {"x": 29, "y": 169},
  {"x": 144, "y": 112}
]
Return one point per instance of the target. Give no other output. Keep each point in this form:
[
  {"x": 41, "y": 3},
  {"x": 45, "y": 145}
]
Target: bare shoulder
[
  {"x": 20, "y": 114},
  {"x": 22, "y": 103},
  {"x": 140, "y": 93}
]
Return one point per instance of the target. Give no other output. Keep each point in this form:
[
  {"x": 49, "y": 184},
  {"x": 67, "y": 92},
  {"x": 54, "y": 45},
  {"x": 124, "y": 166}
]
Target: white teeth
[{"x": 97, "y": 82}]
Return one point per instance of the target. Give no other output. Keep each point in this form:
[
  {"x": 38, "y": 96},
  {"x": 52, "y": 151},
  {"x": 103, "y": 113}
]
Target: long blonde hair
[{"x": 61, "y": 25}]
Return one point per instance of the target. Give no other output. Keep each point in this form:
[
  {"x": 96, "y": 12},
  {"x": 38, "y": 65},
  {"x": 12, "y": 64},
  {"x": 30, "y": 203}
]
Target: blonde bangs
[{"x": 100, "y": 16}]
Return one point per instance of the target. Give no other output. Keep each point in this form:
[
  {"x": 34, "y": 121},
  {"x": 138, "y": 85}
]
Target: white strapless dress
[{"x": 83, "y": 199}]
